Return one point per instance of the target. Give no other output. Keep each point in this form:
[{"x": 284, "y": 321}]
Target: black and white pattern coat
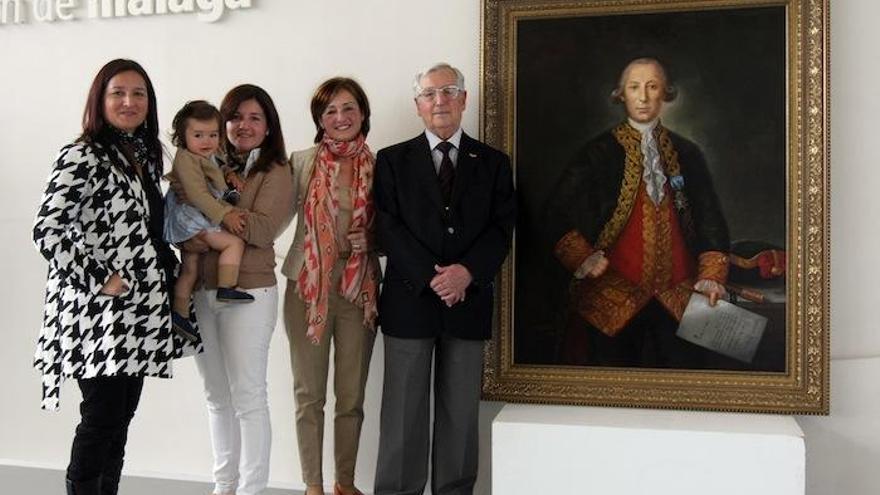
[{"x": 93, "y": 222}]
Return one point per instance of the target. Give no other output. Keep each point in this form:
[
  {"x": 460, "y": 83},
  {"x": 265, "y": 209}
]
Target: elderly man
[
  {"x": 637, "y": 225},
  {"x": 446, "y": 210}
]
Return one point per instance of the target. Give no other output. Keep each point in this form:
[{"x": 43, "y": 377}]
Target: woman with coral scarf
[{"x": 333, "y": 279}]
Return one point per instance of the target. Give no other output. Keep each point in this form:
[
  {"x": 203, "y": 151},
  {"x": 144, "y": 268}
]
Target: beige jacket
[
  {"x": 302, "y": 163},
  {"x": 194, "y": 173}
]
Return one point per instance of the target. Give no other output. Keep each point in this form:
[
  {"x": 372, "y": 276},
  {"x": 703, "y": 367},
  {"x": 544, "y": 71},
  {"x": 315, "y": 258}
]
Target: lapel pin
[{"x": 472, "y": 155}]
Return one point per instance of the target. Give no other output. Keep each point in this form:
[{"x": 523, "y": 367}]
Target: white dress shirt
[{"x": 437, "y": 155}]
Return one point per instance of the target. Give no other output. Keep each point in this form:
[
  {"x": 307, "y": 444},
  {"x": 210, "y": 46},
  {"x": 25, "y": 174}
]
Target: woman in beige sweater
[
  {"x": 332, "y": 275},
  {"x": 236, "y": 337}
]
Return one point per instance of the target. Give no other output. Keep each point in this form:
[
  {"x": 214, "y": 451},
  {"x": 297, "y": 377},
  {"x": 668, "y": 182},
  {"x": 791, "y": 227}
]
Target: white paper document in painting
[{"x": 725, "y": 328}]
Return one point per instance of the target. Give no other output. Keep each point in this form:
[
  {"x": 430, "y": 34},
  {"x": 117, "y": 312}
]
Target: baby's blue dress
[{"x": 183, "y": 221}]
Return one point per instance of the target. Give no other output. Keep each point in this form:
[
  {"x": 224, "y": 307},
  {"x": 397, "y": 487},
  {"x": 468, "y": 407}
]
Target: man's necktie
[{"x": 446, "y": 175}]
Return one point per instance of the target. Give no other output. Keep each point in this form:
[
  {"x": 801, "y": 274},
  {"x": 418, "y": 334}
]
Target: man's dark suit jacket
[{"x": 416, "y": 232}]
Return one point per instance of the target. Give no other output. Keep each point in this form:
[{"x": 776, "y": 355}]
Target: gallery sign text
[{"x": 23, "y": 11}]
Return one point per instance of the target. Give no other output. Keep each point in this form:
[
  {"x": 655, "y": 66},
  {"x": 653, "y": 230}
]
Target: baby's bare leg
[{"x": 231, "y": 249}]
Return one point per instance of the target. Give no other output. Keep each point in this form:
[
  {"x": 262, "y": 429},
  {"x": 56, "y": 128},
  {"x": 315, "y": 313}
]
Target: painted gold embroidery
[
  {"x": 630, "y": 139},
  {"x": 713, "y": 265},
  {"x": 650, "y": 254},
  {"x": 572, "y": 250},
  {"x": 672, "y": 167},
  {"x": 607, "y": 303}
]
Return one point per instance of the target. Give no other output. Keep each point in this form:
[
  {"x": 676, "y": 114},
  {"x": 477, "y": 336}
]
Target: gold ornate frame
[{"x": 803, "y": 388}]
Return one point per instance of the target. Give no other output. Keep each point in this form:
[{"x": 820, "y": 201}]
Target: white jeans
[{"x": 233, "y": 366}]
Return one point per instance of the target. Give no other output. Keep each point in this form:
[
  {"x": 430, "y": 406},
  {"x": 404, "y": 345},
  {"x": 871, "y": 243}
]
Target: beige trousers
[{"x": 353, "y": 347}]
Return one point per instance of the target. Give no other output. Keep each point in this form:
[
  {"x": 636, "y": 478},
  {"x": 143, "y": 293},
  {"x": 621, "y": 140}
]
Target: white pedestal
[{"x": 549, "y": 450}]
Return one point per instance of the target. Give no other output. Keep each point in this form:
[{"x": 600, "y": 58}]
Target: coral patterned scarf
[{"x": 360, "y": 278}]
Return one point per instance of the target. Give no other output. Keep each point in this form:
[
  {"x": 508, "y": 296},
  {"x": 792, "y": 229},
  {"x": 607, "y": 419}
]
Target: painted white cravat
[{"x": 652, "y": 168}]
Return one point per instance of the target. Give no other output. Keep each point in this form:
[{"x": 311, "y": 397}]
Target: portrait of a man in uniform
[
  {"x": 650, "y": 160},
  {"x": 637, "y": 224}
]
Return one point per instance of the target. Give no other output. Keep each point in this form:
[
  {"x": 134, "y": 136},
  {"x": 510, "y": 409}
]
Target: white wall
[
  {"x": 843, "y": 450},
  {"x": 288, "y": 47}
]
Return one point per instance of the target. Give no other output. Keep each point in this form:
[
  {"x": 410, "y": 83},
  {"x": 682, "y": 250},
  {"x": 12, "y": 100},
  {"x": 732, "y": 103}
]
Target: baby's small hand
[{"x": 236, "y": 181}]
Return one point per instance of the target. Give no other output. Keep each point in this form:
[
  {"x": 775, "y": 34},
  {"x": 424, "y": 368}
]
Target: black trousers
[{"x": 106, "y": 410}]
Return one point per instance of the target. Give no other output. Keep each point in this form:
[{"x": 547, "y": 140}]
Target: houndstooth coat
[{"x": 93, "y": 222}]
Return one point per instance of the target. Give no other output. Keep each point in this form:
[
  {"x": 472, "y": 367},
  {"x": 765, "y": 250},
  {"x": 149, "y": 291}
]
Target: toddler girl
[{"x": 196, "y": 133}]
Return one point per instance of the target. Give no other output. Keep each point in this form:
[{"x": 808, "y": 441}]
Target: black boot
[
  {"x": 109, "y": 486},
  {"x": 88, "y": 487},
  {"x": 110, "y": 478}
]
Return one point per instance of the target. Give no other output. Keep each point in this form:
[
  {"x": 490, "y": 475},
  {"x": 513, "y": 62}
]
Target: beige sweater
[{"x": 268, "y": 199}]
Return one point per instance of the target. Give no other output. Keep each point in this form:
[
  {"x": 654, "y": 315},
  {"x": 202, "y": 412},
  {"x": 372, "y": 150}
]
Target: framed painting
[{"x": 672, "y": 171}]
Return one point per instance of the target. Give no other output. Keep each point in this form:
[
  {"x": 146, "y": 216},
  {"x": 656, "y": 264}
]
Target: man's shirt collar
[{"x": 433, "y": 140}]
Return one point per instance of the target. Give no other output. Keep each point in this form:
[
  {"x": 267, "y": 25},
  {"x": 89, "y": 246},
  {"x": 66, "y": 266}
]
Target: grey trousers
[{"x": 402, "y": 467}]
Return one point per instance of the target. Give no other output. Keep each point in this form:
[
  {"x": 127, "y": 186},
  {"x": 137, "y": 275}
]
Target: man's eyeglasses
[{"x": 429, "y": 94}]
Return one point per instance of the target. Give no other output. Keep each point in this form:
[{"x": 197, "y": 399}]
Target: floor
[{"x": 34, "y": 481}]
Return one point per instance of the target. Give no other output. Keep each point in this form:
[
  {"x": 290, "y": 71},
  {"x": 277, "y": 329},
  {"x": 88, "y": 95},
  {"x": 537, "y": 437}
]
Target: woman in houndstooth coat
[{"x": 106, "y": 321}]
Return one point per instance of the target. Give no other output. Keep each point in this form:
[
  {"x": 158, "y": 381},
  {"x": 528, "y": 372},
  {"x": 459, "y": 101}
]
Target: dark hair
[
  {"x": 330, "y": 88},
  {"x": 96, "y": 130},
  {"x": 196, "y": 110},
  {"x": 272, "y": 150}
]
